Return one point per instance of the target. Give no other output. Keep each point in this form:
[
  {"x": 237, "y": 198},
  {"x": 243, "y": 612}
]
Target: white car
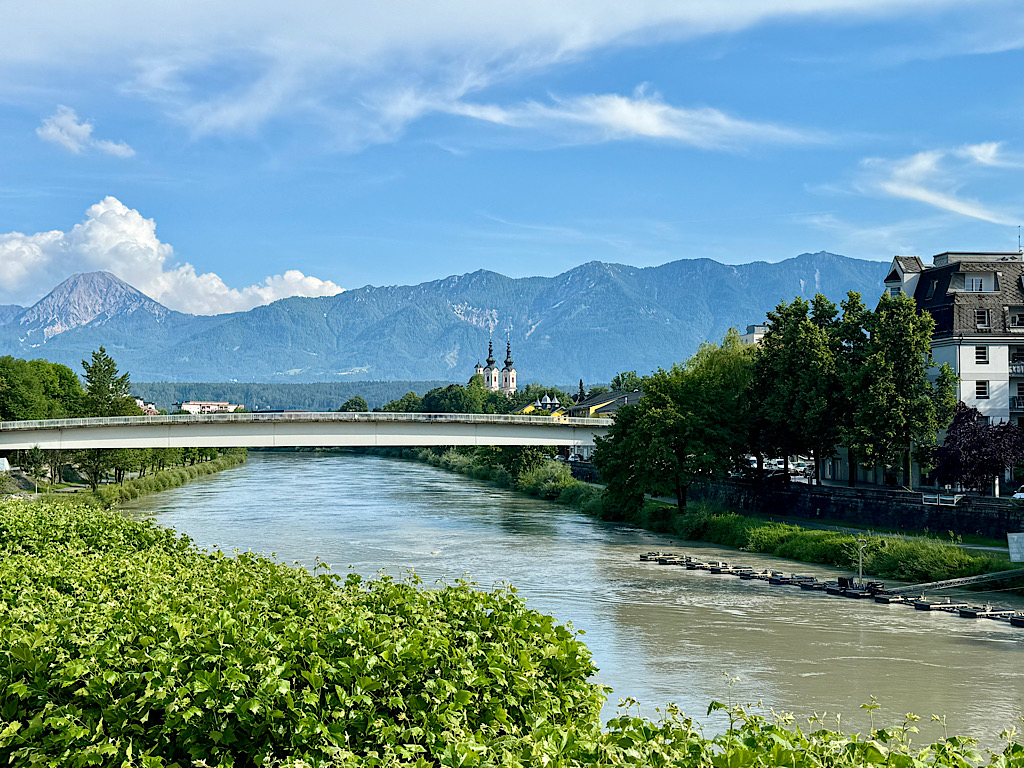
[{"x": 1020, "y": 493}]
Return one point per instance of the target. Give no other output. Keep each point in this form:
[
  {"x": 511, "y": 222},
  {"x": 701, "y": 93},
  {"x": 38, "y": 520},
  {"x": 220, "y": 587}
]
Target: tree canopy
[
  {"x": 685, "y": 426},
  {"x": 107, "y": 393},
  {"x": 355, "y": 404}
]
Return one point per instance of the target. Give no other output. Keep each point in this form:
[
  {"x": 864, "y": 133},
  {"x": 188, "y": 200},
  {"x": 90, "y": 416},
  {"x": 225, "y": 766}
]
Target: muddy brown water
[{"x": 657, "y": 633}]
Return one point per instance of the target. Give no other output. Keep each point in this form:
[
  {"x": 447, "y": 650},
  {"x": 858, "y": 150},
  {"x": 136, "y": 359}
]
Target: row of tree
[
  {"x": 822, "y": 376},
  {"x": 37, "y": 389},
  {"x": 474, "y": 397}
]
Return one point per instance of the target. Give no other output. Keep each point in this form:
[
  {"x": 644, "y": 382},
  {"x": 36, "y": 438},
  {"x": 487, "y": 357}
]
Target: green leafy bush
[
  {"x": 7, "y": 484},
  {"x": 123, "y": 645},
  {"x": 547, "y": 479},
  {"x": 122, "y": 642}
]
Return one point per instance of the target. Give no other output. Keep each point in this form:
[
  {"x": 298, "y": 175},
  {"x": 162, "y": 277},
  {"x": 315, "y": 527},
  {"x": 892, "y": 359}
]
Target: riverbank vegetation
[
  {"x": 817, "y": 380},
  {"x": 209, "y": 462},
  {"x": 37, "y": 389},
  {"x": 906, "y": 558},
  {"x": 122, "y": 644}
]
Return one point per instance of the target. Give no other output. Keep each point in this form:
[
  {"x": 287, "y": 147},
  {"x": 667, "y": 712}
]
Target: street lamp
[{"x": 860, "y": 560}]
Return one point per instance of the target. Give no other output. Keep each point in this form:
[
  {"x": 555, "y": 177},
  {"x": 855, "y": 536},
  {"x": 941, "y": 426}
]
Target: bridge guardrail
[{"x": 215, "y": 418}]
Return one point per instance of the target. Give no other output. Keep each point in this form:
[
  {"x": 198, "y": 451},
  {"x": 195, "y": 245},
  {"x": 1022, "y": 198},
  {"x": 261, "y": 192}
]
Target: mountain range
[{"x": 588, "y": 323}]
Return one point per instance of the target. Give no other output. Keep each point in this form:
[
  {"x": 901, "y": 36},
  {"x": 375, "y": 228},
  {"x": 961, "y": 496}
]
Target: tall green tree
[
  {"x": 354, "y": 404},
  {"x": 93, "y": 464},
  {"x": 21, "y": 392},
  {"x": 410, "y": 402},
  {"x": 850, "y": 339},
  {"x": 797, "y": 380},
  {"x": 899, "y": 409},
  {"x": 623, "y": 458},
  {"x": 627, "y": 381},
  {"x": 107, "y": 393},
  {"x": 451, "y": 399},
  {"x": 686, "y": 426},
  {"x": 61, "y": 388}
]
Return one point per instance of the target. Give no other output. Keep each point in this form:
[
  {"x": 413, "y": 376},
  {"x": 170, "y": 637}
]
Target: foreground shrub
[
  {"x": 120, "y": 639},
  {"x": 123, "y": 645},
  {"x": 547, "y": 479}
]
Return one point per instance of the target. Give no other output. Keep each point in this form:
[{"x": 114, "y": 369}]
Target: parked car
[{"x": 1020, "y": 493}]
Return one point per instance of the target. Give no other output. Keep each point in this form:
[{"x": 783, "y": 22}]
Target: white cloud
[
  {"x": 231, "y": 67},
  {"x": 936, "y": 177},
  {"x": 63, "y": 127},
  {"x": 120, "y": 240},
  {"x": 610, "y": 117}
]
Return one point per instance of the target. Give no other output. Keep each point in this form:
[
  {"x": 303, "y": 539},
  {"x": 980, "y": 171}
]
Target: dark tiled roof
[
  {"x": 606, "y": 400},
  {"x": 954, "y": 312},
  {"x": 910, "y": 263}
]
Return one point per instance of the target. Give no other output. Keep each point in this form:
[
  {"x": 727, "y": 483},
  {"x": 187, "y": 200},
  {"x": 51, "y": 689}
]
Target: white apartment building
[{"x": 977, "y": 301}]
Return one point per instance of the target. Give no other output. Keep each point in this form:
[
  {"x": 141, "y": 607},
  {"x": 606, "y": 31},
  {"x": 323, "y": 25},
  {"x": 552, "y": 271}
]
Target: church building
[{"x": 503, "y": 380}]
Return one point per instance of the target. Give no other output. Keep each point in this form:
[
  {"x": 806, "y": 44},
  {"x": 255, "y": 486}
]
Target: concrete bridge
[{"x": 265, "y": 430}]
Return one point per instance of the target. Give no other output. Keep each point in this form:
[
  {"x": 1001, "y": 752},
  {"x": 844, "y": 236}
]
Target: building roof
[
  {"x": 911, "y": 264},
  {"x": 953, "y": 308},
  {"x": 607, "y": 402}
]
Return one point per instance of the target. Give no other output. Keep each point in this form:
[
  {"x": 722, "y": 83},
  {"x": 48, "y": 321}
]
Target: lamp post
[{"x": 860, "y": 560}]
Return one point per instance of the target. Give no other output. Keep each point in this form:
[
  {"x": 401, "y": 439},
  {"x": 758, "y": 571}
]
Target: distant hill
[{"x": 590, "y": 322}]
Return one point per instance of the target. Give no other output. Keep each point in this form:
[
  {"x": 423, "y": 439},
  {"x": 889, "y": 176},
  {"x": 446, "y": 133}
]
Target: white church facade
[{"x": 498, "y": 380}]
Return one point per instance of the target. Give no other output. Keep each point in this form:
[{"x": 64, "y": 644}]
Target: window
[
  {"x": 981, "y": 390},
  {"x": 981, "y": 355},
  {"x": 894, "y": 291},
  {"x": 975, "y": 284},
  {"x": 931, "y": 288},
  {"x": 981, "y": 318},
  {"x": 1020, "y": 389}
]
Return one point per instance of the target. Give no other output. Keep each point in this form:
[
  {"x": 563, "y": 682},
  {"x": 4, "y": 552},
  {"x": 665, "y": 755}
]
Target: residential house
[{"x": 207, "y": 406}]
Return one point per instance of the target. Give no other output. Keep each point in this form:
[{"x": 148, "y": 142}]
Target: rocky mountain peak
[{"x": 80, "y": 300}]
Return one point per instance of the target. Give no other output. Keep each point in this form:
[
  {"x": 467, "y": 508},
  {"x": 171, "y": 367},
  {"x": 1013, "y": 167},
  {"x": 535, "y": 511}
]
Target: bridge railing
[{"x": 218, "y": 418}]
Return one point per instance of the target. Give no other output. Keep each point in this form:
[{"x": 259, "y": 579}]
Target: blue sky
[{"x": 223, "y": 155}]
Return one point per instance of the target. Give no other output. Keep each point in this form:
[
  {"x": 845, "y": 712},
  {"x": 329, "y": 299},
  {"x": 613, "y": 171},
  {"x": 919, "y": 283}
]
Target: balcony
[
  {"x": 1016, "y": 403},
  {"x": 1017, "y": 369}
]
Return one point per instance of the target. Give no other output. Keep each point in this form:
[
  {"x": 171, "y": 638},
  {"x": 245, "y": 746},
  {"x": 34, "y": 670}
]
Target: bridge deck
[{"x": 300, "y": 429}]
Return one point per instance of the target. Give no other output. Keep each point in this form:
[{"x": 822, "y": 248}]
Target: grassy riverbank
[
  {"x": 122, "y": 644},
  {"x": 117, "y": 493},
  {"x": 911, "y": 558}
]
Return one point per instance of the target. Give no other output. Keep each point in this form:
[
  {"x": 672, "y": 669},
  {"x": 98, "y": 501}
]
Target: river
[{"x": 657, "y": 633}]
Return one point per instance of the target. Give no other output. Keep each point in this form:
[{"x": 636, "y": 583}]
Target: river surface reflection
[{"x": 658, "y": 634}]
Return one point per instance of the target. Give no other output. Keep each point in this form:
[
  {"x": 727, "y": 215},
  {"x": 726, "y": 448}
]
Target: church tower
[
  {"x": 491, "y": 371},
  {"x": 508, "y": 373}
]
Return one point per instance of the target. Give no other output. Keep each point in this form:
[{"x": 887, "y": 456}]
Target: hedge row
[{"x": 112, "y": 495}]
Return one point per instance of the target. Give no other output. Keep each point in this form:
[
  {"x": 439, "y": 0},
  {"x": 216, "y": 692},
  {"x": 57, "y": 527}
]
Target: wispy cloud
[
  {"x": 879, "y": 240},
  {"x": 612, "y": 117},
  {"x": 235, "y": 67},
  {"x": 64, "y": 127},
  {"x": 936, "y": 177}
]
